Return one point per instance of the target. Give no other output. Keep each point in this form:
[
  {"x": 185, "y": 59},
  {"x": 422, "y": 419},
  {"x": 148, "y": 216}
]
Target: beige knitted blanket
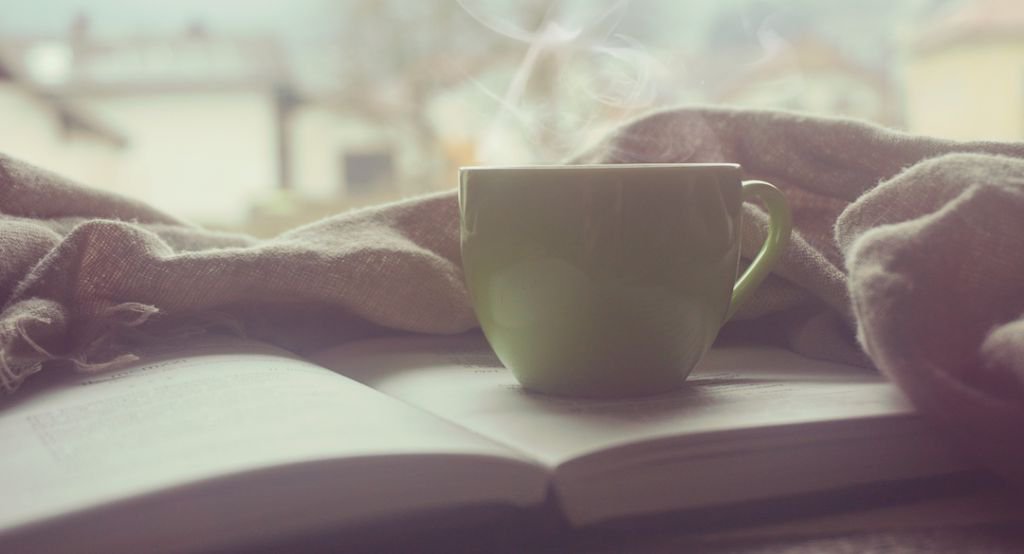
[{"x": 908, "y": 249}]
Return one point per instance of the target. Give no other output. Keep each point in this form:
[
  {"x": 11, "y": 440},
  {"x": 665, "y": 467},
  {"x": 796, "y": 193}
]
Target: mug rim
[{"x": 570, "y": 167}]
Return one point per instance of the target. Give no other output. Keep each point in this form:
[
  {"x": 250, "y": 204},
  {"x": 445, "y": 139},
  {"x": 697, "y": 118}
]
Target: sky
[
  {"x": 305, "y": 28},
  {"x": 311, "y": 20},
  {"x": 292, "y": 17},
  {"x": 308, "y": 28}
]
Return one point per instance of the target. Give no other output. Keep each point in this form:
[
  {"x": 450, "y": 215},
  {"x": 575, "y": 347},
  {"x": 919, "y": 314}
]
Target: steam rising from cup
[{"x": 577, "y": 77}]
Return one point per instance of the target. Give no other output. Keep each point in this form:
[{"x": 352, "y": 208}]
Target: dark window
[{"x": 368, "y": 171}]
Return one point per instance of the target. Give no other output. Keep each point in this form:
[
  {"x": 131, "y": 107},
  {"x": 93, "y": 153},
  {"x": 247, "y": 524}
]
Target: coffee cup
[{"x": 609, "y": 280}]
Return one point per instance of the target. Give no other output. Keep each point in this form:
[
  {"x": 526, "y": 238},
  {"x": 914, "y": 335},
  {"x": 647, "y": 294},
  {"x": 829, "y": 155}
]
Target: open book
[{"x": 233, "y": 442}]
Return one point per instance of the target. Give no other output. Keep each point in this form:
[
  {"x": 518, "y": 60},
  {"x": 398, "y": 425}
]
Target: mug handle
[{"x": 780, "y": 224}]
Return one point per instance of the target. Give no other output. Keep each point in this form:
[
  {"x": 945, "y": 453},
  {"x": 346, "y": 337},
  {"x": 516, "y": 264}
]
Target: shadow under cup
[{"x": 601, "y": 281}]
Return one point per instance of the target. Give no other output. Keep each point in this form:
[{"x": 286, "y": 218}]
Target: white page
[
  {"x": 733, "y": 389},
  {"x": 231, "y": 408}
]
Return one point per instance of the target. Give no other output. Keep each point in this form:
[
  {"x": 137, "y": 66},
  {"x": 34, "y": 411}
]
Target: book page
[
  {"x": 750, "y": 423},
  {"x": 733, "y": 390},
  {"x": 229, "y": 408}
]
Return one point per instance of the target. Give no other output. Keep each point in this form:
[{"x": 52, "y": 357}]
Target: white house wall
[
  {"x": 204, "y": 156},
  {"x": 320, "y": 136},
  {"x": 95, "y": 162},
  {"x": 316, "y": 144},
  {"x": 31, "y": 130}
]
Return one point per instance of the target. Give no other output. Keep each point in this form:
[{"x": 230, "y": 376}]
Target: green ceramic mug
[{"x": 609, "y": 280}]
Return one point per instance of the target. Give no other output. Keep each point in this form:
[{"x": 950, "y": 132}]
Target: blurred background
[{"x": 259, "y": 116}]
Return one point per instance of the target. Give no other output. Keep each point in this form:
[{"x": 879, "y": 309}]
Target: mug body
[{"x": 601, "y": 280}]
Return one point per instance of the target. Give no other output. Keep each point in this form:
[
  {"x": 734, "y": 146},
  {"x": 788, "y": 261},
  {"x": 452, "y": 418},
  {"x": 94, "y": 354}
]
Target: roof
[
  {"x": 972, "y": 20},
  {"x": 71, "y": 117},
  {"x": 76, "y": 119}
]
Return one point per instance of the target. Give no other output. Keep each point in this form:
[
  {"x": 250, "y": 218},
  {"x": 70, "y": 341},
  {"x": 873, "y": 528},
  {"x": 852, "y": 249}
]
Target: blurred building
[
  {"x": 209, "y": 127},
  {"x": 50, "y": 133},
  {"x": 964, "y": 74},
  {"x": 810, "y": 74},
  {"x": 340, "y": 157},
  {"x": 204, "y": 116}
]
